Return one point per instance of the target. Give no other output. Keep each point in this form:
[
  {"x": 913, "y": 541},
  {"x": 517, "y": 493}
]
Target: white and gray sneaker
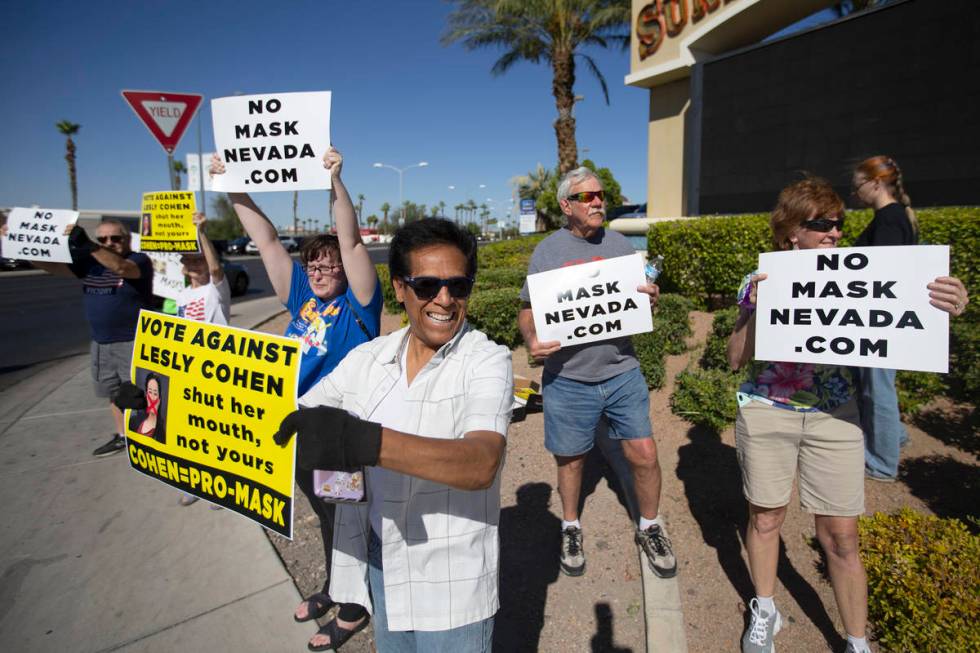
[
  {"x": 572, "y": 553},
  {"x": 658, "y": 550},
  {"x": 761, "y": 630}
]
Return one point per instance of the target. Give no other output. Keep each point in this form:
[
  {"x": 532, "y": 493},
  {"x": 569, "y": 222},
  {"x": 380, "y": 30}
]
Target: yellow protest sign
[
  {"x": 167, "y": 223},
  {"x": 215, "y": 396}
]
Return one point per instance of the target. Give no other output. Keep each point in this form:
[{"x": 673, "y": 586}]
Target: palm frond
[{"x": 594, "y": 69}]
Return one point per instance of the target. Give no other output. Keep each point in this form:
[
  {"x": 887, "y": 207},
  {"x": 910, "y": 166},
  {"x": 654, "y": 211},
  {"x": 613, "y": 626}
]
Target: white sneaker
[{"x": 763, "y": 627}]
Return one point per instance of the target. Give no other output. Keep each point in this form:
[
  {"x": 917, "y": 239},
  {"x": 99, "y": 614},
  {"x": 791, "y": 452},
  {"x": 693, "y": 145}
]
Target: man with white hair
[{"x": 583, "y": 383}]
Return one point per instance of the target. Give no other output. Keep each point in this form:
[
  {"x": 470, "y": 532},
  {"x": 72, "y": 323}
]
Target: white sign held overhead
[
  {"x": 38, "y": 234},
  {"x": 591, "y": 301},
  {"x": 194, "y": 172},
  {"x": 860, "y": 306},
  {"x": 272, "y": 142}
]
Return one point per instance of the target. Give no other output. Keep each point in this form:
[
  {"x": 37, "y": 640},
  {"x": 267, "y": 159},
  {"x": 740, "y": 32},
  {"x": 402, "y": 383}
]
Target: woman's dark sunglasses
[
  {"x": 427, "y": 288},
  {"x": 114, "y": 238},
  {"x": 824, "y": 225}
]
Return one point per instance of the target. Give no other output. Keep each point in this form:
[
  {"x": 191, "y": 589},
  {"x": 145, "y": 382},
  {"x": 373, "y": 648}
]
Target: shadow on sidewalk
[
  {"x": 602, "y": 641},
  {"x": 529, "y": 543},
  {"x": 708, "y": 468},
  {"x": 950, "y": 488}
]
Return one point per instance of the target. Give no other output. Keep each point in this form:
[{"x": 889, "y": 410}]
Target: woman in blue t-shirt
[{"x": 334, "y": 297}]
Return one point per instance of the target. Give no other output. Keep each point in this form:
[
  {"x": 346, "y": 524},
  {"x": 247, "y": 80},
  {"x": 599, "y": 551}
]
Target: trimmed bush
[
  {"x": 715, "y": 356},
  {"x": 671, "y": 322},
  {"x": 706, "y": 397},
  {"x": 710, "y": 256},
  {"x": 923, "y": 581},
  {"x": 916, "y": 389},
  {"x": 650, "y": 352},
  {"x": 392, "y": 305},
  {"x": 507, "y": 253},
  {"x": 500, "y": 278},
  {"x": 495, "y": 313}
]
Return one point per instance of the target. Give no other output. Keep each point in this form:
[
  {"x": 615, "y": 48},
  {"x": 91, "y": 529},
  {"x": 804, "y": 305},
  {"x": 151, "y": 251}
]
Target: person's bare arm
[
  {"x": 207, "y": 247},
  {"x": 277, "y": 261},
  {"x": 57, "y": 269},
  {"x": 538, "y": 350},
  {"x": 469, "y": 463},
  {"x": 741, "y": 344},
  {"x": 361, "y": 275},
  {"x": 124, "y": 267}
]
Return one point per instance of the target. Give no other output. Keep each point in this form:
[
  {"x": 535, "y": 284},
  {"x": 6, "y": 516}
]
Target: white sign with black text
[
  {"x": 38, "y": 234},
  {"x": 272, "y": 142},
  {"x": 860, "y": 306},
  {"x": 168, "y": 274},
  {"x": 591, "y": 301}
]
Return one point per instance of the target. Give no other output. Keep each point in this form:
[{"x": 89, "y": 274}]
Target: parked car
[
  {"x": 289, "y": 243},
  {"x": 637, "y": 211},
  {"x": 237, "y": 277},
  {"x": 237, "y": 246},
  {"x": 13, "y": 264}
]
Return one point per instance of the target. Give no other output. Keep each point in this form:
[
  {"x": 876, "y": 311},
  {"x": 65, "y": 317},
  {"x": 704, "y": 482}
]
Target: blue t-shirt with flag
[{"x": 327, "y": 330}]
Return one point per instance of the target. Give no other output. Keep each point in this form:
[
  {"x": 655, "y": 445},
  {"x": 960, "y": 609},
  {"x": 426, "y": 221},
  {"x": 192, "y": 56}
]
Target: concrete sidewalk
[{"x": 94, "y": 557}]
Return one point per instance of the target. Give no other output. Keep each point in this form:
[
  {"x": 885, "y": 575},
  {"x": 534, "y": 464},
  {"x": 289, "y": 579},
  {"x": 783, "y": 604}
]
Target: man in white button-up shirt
[{"x": 426, "y": 409}]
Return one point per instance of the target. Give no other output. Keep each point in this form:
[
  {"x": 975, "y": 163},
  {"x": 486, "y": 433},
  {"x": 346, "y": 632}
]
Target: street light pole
[{"x": 401, "y": 184}]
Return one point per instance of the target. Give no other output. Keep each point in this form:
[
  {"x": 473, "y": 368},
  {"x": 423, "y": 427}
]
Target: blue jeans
[
  {"x": 472, "y": 638},
  {"x": 884, "y": 433}
]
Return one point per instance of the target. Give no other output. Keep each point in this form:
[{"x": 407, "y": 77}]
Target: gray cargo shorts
[{"x": 110, "y": 365}]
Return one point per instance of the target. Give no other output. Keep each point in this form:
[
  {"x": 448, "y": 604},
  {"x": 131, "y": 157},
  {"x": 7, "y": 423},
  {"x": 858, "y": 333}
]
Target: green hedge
[
  {"x": 710, "y": 256},
  {"x": 507, "y": 253},
  {"x": 388, "y": 290},
  {"x": 492, "y": 278},
  {"x": 715, "y": 356},
  {"x": 706, "y": 397},
  {"x": 923, "y": 581},
  {"x": 494, "y": 312},
  {"x": 671, "y": 328}
]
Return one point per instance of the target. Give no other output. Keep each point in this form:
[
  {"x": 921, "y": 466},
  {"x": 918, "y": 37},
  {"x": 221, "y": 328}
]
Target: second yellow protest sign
[
  {"x": 167, "y": 222},
  {"x": 215, "y": 396}
]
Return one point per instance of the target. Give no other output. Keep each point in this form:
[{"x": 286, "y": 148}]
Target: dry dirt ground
[{"x": 602, "y": 611}]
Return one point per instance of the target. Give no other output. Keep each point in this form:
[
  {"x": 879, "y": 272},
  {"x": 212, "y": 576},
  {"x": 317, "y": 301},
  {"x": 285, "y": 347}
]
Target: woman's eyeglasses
[
  {"x": 313, "y": 270},
  {"x": 427, "y": 288},
  {"x": 587, "y": 196},
  {"x": 824, "y": 225},
  {"x": 114, "y": 238}
]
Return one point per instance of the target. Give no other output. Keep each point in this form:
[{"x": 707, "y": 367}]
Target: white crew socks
[
  {"x": 860, "y": 644},
  {"x": 647, "y": 523},
  {"x": 766, "y": 604},
  {"x": 565, "y": 524}
]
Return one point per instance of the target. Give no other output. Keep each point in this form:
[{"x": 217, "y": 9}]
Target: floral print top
[{"x": 801, "y": 387}]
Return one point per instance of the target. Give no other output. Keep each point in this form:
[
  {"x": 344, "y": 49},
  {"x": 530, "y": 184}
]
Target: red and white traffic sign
[{"x": 166, "y": 115}]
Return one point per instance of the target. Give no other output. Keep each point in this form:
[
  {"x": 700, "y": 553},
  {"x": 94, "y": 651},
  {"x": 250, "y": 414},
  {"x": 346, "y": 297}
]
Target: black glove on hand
[
  {"x": 129, "y": 396},
  {"x": 78, "y": 241},
  {"x": 330, "y": 438}
]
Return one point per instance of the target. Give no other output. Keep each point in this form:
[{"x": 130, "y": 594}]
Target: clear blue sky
[{"x": 398, "y": 97}]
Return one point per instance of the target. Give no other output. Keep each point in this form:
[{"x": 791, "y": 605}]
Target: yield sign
[{"x": 166, "y": 115}]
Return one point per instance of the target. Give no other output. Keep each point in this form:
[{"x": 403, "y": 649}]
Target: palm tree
[
  {"x": 295, "y": 207},
  {"x": 549, "y": 31},
  {"x": 384, "y": 209},
  {"x": 434, "y": 210},
  {"x": 442, "y": 208},
  {"x": 360, "y": 207},
  {"x": 372, "y": 220},
  {"x": 179, "y": 168},
  {"x": 531, "y": 185},
  {"x": 69, "y": 129},
  {"x": 471, "y": 209}
]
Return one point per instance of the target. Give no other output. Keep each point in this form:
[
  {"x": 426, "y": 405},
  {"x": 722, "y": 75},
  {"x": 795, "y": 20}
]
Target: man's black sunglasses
[
  {"x": 427, "y": 288},
  {"x": 114, "y": 238},
  {"x": 824, "y": 225}
]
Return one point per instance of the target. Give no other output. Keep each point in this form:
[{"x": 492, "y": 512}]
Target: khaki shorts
[{"x": 827, "y": 449}]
